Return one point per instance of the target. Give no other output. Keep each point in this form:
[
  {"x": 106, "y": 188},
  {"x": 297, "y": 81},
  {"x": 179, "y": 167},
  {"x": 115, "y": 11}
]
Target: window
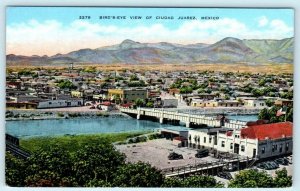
[
  {"x": 223, "y": 144},
  {"x": 231, "y": 145},
  {"x": 209, "y": 140},
  {"x": 50, "y": 103},
  {"x": 280, "y": 148},
  {"x": 263, "y": 150},
  {"x": 204, "y": 140},
  {"x": 287, "y": 147},
  {"x": 243, "y": 148},
  {"x": 273, "y": 148}
]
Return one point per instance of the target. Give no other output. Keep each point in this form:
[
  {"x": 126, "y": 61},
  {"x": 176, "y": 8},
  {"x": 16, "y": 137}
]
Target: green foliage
[
  {"x": 150, "y": 104},
  {"x": 49, "y": 168},
  {"x": 66, "y": 84},
  {"x": 14, "y": 170},
  {"x": 25, "y": 72},
  {"x": 96, "y": 161},
  {"x": 138, "y": 175},
  {"x": 173, "y": 182},
  {"x": 133, "y": 78},
  {"x": 287, "y": 95},
  {"x": 251, "y": 179},
  {"x": 90, "y": 69},
  {"x": 282, "y": 179},
  {"x": 72, "y": 143},
  {"x": 154, "y": 136},
  {"x": 185, "y": 90},
  {"x": 257, "y": 92},
  {"x": 60, "y": 114},
  {"x": 140, "y": 83},
  {"x": 139, "y": 102},
  {"x": 269, "y": 102},
  {"x": 202, "y": 182},
  {"x": 270, "y": 114}
]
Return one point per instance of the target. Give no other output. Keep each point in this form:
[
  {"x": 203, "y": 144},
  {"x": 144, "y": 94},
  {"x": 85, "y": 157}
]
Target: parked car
[
  {"x": 282, "y": 161},
  {"x": 225, "y": 175},
  {"x": 175, "y": 156},
  {"x": 202, "y": 153}
]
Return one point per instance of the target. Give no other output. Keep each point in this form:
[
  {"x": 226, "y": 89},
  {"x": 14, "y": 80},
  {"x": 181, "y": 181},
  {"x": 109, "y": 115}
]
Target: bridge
[
  {"x": 12, "y": 145},
  {"x": 211, "y": 167},
  {"x": 189, "y": 119}
]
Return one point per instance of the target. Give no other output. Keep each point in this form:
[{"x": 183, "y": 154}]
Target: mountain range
[{"x": 227, "y": 50}]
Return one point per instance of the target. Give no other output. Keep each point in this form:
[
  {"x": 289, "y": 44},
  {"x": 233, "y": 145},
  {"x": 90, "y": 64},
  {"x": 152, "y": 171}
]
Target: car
[
  {"x": 225, "y": 175},
  {"x": 202, "y": 153},
  {"x": 92, "y": 107},
  {"x": 175, "y": 156},
  {"x": 282, "y": 161},
  {"x": 272, "y": 165}
]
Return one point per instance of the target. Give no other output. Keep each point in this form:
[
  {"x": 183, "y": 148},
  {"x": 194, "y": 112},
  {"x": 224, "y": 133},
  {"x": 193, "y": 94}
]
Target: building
[
  {"x": 106, "y": 106},
  {"x": 229, "y": 103},
  {"x": 203, "y": 103},
  {"x": 77, "y": 94},
  {"x": 21, "y": 105},
  {"x": 284, "y": 102},
  {"x": 127, "y": 95},
  {"x": 260, "y": 103},
  {"x": 258, "y": 140},
  {"x": 60, "y": 103}
]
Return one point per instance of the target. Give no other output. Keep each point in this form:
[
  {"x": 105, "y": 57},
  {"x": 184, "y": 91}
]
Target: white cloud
[
  {"x": 263, "y": 21},
  {"x": 51, "y": 37}
]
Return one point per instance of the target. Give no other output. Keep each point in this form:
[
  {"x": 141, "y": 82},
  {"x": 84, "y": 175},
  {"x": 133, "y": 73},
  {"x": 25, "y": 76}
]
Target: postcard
[{"x": 149, "y": 97}]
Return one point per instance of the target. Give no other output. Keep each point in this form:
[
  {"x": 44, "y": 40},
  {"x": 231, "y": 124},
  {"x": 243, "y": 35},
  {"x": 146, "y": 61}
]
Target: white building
[
  {"x": 259, "y": 103},
  {"x": 260, "y": 141},
  {"x": 60, "y": 103}
]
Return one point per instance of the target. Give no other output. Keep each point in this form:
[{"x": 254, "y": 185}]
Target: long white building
[{"x": 259, "y": 141}]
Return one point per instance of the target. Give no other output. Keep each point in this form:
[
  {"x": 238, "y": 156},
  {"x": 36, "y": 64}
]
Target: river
[{"x": 34, "y": 128}]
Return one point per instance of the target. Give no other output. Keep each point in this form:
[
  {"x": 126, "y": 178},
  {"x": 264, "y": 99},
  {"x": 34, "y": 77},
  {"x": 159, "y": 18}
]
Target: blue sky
[{"x": 50, "y": 30}]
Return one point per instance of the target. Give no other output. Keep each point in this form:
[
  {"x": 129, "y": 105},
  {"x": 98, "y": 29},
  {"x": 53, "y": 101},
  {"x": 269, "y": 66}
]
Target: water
[
  {"x": 33, "y": 128},
  {"x": 243, "y": 117}
]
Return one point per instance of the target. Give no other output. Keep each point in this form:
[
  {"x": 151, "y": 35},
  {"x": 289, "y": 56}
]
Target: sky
[{"x": 51, "y": 30}]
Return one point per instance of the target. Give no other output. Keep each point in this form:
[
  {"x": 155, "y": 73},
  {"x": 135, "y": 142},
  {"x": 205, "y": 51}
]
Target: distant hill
[{"x": 227, "y": 50}]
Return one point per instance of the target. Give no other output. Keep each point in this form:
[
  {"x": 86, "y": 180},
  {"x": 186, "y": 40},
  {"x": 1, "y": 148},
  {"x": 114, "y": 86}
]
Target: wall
[{"x": 60, "y": 103}]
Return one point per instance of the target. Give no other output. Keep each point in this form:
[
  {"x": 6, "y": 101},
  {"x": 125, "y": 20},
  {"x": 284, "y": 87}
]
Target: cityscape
[{"x": 152, "y": 113}]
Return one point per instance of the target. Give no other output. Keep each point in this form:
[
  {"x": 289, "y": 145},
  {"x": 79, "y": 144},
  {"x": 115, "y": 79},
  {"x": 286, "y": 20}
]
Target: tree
[
  {"x": 14, "y": 170},
  {"x": 173, "y": 182},
  {"x": 202, "y": 182},
  {"x": 66, "y": 84},
  {"x": 150, "y": 104},
  {"x": 269, "y": 102},
  {"x": 139, "y": 102},
  {"x": 96, "y": 162},
  {"x": 49, "y": 167},
  {"x": 282, "y": 179},
  {"x": 251, "y": 179},
  {"x": 270, "y": 114},
  {"x": 138, "y": 175},
  {"x": 133, "y": 78}
]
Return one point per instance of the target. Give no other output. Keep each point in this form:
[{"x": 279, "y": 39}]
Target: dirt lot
[{"x": 156, "y": 153}]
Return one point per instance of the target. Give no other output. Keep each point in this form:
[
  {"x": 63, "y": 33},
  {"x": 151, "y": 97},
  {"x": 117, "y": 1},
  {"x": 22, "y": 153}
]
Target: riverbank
[
  {"x": 72, "y": 143},
  {"x": 14, "y": 115}
]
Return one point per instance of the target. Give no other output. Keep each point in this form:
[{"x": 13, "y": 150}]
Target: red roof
[
  {"x": 126, "y": 104},
  {"x": 106, "y": 103},
  {"x": 268, "y": 131}
]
